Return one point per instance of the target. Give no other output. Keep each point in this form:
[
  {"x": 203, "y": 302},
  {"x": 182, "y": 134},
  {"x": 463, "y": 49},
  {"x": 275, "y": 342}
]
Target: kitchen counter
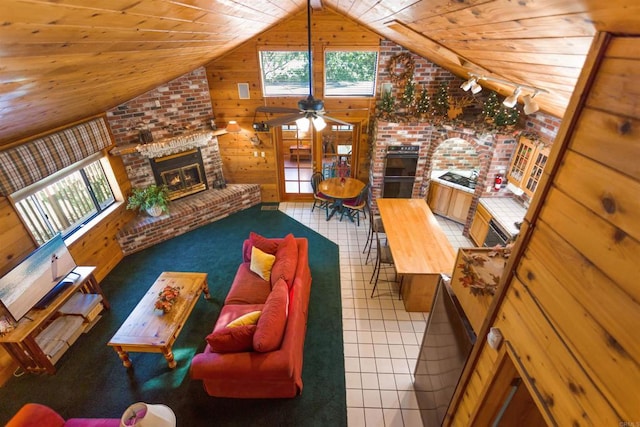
[
  {"x": 436, "y": 174},
  {"x": 506, "y": 211}
]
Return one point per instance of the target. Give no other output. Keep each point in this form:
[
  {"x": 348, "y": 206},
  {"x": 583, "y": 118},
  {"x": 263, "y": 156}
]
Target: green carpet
[{"x": 91, "y": 381}]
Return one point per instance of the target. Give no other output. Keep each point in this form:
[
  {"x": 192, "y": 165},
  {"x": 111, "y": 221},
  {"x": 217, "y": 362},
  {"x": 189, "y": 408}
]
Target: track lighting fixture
[
  {"x": 530, "y": 106},
  {"x": 472, "y": 84},
  {"x": 511, "y": 100},
  {"x": 467, "y": 85}
]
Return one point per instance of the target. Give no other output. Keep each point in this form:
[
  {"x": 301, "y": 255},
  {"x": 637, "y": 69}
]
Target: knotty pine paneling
[
  {"x": 571, "y": 308},
  {"x": 242, "y": 66},
  {"x": 16, "y": 240}
]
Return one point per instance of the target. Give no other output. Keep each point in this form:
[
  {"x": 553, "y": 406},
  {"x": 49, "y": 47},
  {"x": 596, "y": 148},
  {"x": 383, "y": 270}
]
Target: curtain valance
[{"x": 27, "y": 163}]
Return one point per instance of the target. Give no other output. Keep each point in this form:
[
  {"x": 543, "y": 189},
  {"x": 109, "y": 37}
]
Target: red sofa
[
  {"x": 36, "y": 415},
  {"x": 258, "y": 370}
]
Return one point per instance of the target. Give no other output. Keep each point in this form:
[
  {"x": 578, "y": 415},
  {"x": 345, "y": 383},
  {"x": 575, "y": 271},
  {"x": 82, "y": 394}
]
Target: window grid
[{"x": 66, "y": 204}]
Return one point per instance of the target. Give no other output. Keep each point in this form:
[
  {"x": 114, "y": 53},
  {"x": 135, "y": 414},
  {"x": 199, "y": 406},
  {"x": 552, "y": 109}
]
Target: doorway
[{"x": 330, "y": 151}]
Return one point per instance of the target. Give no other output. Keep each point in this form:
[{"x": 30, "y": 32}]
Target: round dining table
[{"x": 340, "y": 189}]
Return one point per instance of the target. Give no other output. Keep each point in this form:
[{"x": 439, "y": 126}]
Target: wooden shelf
[{"x": 119, "y": 150}]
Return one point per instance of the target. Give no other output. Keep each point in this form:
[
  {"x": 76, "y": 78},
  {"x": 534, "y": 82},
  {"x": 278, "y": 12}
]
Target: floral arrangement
[
  {"x": 485, "y": 284},
  {"x": 167, "y": 297}
]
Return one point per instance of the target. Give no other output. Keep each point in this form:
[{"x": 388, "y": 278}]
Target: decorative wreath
[{"x": 402, "y": 59}]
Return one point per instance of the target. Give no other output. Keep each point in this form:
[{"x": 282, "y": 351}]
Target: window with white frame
[
  {"x": 350, "y": 73},
  {"x": 284, "y": 72},
  {"x": 65, "y": 201}
]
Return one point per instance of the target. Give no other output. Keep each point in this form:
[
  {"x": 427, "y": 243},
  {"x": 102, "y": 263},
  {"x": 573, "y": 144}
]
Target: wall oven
[{"x": 401, "y": 164}]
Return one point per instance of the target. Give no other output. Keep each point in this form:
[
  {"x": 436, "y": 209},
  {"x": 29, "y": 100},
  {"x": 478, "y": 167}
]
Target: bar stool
[
  {"x": 384, "y": 259},
  {"x": 375, "y": 226}
]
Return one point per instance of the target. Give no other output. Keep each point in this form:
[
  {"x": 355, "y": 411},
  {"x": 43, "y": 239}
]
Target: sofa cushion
[
  {"x": 261, "y": 263},
  {"x": 232, "y": 340},
  {"x": 36, "y": 415},
  {"x": 286, "y": 261},
  {"x": 272, "y": 321},
  {"x": 250, "y": 318},
  {"x": 247, "y": 287},
  {"x": 265, "y": 244}
]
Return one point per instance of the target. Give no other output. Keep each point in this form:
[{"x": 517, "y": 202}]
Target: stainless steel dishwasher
[{"x": 446, "y": 345}]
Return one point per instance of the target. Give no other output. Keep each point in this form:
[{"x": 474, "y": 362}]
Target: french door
[{"x": 303, "y": 153}]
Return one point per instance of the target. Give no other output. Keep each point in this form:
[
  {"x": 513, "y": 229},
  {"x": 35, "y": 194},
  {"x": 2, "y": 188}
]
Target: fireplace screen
[{"x": 182, "y": 173}]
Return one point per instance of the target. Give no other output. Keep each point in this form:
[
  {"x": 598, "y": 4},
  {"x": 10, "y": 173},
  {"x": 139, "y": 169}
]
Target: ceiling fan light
[
  {"x": 530, "y": 106},
  {"x": 319, "y": 123},
  {"x": 303, "y": 124},
  {"x": 475, "y": 87}
]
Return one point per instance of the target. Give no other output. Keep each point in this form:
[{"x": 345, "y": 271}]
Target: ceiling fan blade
[
  {"x": 278, "y": 121},
  {"x": 331, "y": 119},
  {"x": 267, "y": 109}
]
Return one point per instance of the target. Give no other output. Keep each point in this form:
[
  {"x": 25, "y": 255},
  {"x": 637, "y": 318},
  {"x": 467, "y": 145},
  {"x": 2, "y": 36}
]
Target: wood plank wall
[
  {"x": 329, "y": 29},
  {"x": 572, "y": 309}
]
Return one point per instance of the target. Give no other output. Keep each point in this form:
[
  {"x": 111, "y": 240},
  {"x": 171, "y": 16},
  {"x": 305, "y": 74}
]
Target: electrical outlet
[{"x": 157, "y": 103}]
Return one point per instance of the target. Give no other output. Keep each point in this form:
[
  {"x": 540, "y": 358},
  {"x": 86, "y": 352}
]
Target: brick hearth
[{"x": 187, "y": 214}]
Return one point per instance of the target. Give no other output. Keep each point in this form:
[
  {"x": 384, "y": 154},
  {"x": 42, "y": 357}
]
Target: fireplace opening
[{"x": 182, "y": 173}]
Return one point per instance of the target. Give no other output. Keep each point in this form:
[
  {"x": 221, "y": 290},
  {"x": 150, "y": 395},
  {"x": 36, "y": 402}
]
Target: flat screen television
[{"x": 28, "y": 282}]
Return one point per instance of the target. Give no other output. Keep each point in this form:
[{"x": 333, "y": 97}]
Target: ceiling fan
[{"x": 310, "y": 110}]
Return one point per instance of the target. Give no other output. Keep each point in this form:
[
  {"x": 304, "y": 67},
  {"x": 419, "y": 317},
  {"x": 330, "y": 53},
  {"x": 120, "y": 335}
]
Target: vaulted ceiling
[{"x": 62, "y": 61}]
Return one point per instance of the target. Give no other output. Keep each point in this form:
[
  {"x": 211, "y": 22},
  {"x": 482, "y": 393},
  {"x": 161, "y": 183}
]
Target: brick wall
[
  {"x": 491, "y": 150},
  {"x": 187, "y": 214},
  {"x": 183, "y": 105},
  {"x": 455, "y": 154},
  {"x": 542, "y": 124}
]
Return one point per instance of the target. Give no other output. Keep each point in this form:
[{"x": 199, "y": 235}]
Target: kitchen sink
[{"x": 458, "y": 179}]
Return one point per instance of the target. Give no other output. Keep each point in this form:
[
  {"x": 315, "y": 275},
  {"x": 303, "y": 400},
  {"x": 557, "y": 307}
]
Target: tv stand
[{"x": 21, "y": 343}]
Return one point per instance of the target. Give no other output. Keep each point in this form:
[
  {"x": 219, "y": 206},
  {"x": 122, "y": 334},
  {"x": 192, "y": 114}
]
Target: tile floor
[{"x": 381, "y": 339}]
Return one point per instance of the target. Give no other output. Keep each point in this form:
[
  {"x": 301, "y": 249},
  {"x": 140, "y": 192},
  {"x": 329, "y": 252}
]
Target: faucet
[{"x": 474, "y": 175}]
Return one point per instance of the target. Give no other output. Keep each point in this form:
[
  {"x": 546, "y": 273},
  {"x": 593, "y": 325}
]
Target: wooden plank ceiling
[{"x": 65, "y": 60}]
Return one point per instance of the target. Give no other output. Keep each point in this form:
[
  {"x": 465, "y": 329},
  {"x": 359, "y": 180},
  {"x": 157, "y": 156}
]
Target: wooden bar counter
[{"x": 420, "y": 249}]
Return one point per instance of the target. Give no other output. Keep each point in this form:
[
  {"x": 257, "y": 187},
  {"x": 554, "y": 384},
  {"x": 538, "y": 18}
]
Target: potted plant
[{"x": 153, "y": 199}]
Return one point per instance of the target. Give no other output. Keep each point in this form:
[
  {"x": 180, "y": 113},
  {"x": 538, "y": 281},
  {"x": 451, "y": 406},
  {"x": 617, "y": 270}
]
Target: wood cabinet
[
  {"x": 450, "y": 202},
  {"x": 527, "y": 165},
  {"x": 459, "y": 205},
  {"x": 439, "y": 197},
  {"x": 475, "y": 279},
  {"x": 480, "y": 225}
]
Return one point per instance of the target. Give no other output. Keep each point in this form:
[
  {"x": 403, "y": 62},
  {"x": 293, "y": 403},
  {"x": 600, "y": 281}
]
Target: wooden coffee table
[{"x": 152, "y": 331}]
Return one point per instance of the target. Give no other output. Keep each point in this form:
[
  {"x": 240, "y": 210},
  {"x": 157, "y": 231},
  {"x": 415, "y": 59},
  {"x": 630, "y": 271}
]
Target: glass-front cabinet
[{"x": 527, "y": 165}]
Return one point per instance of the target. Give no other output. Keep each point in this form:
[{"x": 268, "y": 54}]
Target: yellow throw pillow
[
  {"x": 261, "y": 263},
  {"x": 246, "y": 319}
]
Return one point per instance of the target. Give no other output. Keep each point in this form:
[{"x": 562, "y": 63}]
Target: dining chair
[
  {"x": 375, "y": 225},
  {"x": 319, "y": 199},
  {"x": 353, "y": 207},
  {"x": 384, "y": 259}
]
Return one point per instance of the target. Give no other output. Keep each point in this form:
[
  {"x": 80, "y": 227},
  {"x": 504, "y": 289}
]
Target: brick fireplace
[{"x": 192, "y": 159}]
